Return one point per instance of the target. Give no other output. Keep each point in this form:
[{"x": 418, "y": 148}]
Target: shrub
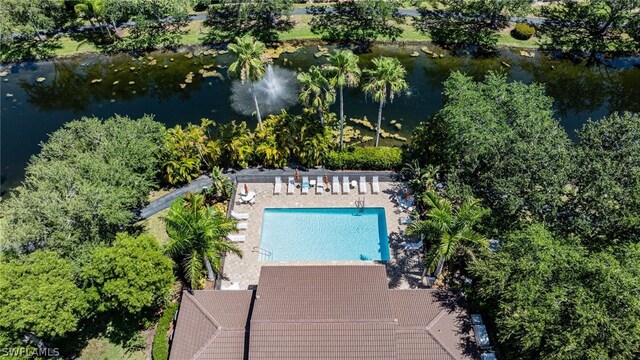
[
  {"x": 365, "y": 158},
  {"x": 523, "y": 31},
  {"x": 160, "y": 340}
]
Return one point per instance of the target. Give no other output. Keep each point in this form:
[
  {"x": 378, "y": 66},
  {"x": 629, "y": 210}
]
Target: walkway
[{"x": 165, "y": 201}]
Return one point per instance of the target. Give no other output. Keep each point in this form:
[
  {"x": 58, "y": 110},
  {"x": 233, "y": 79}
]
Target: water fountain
[{"x": 277, "y": 90}]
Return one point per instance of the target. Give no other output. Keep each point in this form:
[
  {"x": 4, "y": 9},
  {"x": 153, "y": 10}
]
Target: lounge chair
[
  {"x": 345, "y": 184},
  {"x": 362, "y": 186},
  {"x": 375, "y": 185},
  {"x": 414, "y": 246},
  {"x": 242, "y": 226},
  {"x": 291, "y": 185},
  {"x": 233, "y": 285},
  {"x": 335, "y": 187},
  {"x": 277, "y": 186},
  {"x": 239, "y": 216},
  {"x": 319, "y": 185},
  {"x": 305, "y": 185},
  {"x": 405, "y": 220},
  {"x": 236, "y": 238}
]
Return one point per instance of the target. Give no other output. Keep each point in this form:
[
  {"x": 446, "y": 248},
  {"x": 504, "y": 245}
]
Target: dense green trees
[
  {"x": 39, "y": 295},
  {"x": 261, "y": 19},
  {"x": 461, "y": 23},
  {"x": 383, "y": 82},
  {"x": 591, "y": 26},
  {"x": 357, "y": 22},
  {"x": 552, "y": 299},
  {"x": 130, "y": 276},
  {"x": 506, "y": 149},
  {"x": 607, "y": 181},
  {"x": 198, "y": 242},
  {"x": 85, "y": 184}
]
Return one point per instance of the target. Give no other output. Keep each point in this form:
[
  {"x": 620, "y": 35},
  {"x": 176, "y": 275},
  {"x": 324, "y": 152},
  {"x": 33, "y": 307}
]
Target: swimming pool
[{"x": 324, "y": 234}]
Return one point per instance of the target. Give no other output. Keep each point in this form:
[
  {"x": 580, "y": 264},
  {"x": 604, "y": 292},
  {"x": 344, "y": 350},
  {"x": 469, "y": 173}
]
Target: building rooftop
[{"x": 323, "y": 312}]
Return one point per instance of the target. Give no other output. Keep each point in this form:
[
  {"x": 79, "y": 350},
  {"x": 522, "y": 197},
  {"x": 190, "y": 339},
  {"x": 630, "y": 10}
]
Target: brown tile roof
[
  {"x": 212, "y": 325},
  {"x": 323, "y": 312},
  {"x": 322, "y": 293}
]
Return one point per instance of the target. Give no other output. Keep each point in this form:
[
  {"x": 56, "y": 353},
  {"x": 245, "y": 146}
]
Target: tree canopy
[
  {"x": 550, "y": 298},
  {"x": 588, "y": 26},
  {"x": 506, "y": 149},
  {"x": 38, "y": 295},
  {"x": 85, "y": 184},
  {"x": 129, "y": 276},
  {"x": 357, "y": 22},
  {"x": 261, "y": 19}
]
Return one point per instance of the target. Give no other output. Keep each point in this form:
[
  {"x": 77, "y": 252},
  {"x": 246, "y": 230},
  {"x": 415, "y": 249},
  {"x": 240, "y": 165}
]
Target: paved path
[{"x": 165, "y": 201}]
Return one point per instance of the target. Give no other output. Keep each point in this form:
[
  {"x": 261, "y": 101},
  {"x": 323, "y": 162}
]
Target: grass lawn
[
  {"x": 154, "y": 226},
  {"x": 103, "y": 349}
]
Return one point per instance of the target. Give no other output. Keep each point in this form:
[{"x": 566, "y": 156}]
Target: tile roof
[
  {"x": 323, "y": 312},
  {"x": 212, "y": 325}
]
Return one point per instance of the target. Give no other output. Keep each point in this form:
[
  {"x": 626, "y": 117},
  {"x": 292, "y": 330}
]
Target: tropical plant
[
  {"x": 449, "y": 229},
  {"x": 221, "y": 187},
  {"x": 421, "y": 179},
  {"x": 316, "y": 91},
  {"x": 93, "y": 9},
  {"x": 273, "y": 146},
  {"x": 236, "y": 144},
  {"x": 344, "y": 71},
  {"x": 249, "y": 64},
  {"x": 197, "y": 233},
  {"x": 384, "y": 81}
]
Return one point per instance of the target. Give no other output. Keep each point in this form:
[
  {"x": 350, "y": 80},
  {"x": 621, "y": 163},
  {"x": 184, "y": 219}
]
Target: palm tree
[
  {"x": 385, "y": 80},
  {"x": 343, "y": 66},
  {"x": 453, "y": 228},
  {"x": 197, "y": 233},
  {"x": 249, "y": 65},
  {"x": 316, "y": 91},
  {"x": 90, "y": 9}
]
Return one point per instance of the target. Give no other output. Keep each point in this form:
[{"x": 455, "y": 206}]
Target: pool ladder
[
  {"x": 360, "y": 205},
  {"x": 265, "y": 254}
]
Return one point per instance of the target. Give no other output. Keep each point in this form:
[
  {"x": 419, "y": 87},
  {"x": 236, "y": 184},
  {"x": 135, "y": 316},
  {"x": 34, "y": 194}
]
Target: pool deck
[{"x": 403, "y": 269}]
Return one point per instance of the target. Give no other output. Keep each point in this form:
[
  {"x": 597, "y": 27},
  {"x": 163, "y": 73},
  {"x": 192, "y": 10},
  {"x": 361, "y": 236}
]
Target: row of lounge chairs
[
  {"x": 336, "y": 187},
  {"x": 243, "y": 225}
]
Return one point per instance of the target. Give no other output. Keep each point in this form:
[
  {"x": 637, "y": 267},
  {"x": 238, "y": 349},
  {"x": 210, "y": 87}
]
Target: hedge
[
  {"x": 523, "y": 31},
  {"x": 365, "y": 158},
  {"x": 160, "y": 340}
]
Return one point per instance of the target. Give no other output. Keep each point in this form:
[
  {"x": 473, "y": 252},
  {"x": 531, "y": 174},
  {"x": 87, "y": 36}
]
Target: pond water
[{"x": 31, "y": 109}]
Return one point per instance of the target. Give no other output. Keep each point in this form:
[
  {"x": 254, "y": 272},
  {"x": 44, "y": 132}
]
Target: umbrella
[
  {"x": 246, "y": 189},
  {"x": 326, "y": 179},
  {"x": 297, "y": 176}
]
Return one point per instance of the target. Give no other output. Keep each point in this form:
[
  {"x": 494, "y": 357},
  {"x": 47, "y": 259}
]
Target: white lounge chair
[
  {"x": 291, "y": 185},
  {"x": 405, "y": 220},
  {"x": 335, "y": 187},
  {"x": 277, "y": 186},
  {"x": 414, "y": 246},
  {"x": 375, "y": 185},
  {"x": 242, "y": 226},
  {"x": 236, "y": 238},
  {"x": 319, "y": 185},
  {"x": 305, "y": 185},
  {"x": 239, "y": 216},
  {"x": 362, "y": 186},
  {"x": 345, "y": 184}
]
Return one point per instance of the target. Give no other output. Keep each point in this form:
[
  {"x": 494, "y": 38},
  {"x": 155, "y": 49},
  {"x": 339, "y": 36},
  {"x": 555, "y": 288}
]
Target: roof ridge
[
  {"x": 209, "y": 317},
  {"x": 326, "y": 321},
  {"x": 435, "y": 321}
]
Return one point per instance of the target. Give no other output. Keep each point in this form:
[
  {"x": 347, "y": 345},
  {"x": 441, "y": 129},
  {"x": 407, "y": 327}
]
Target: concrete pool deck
[{"x": 403, "y": 269}]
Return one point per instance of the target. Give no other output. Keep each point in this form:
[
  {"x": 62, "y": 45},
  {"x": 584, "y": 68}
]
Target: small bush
[
  {"x": 160, "y": 340},
  {"x": 523, "y": 31},
  {"x": 365, "y": 158}
]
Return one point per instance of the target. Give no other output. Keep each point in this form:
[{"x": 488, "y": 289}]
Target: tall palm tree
[
  {"x": 316, "y": 91},
  {"x": 385, "y": 80},
  {"x": 90, "y": 9},
  {"x": 197, "y": 233},
  {"x": 249, "y": 65},
  {"x": 344, "y": 70},
  {"x": 452, "y": 228}
]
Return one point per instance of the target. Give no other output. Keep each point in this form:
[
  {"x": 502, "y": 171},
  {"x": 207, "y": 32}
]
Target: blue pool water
[{"x": 325, "y": 234}]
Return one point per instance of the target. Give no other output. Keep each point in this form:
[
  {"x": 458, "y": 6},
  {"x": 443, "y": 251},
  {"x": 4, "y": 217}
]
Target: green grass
[
  {"x": 155, "y": 227},
  {"x": 103, "y": 349}
]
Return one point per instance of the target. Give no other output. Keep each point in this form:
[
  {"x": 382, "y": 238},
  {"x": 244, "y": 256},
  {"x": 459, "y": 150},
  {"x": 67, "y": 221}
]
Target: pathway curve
[{"x": 165, "y": 201}]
